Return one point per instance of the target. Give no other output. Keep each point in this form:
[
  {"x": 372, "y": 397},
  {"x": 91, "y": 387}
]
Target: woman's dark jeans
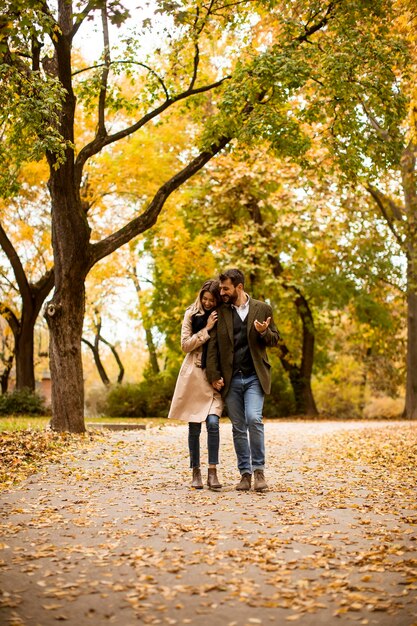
[{"x": 213, "y": 441}]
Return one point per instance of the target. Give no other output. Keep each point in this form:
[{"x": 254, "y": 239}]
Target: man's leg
[
  {"x": 236, "y": 412},
  {"x": 213, "y": 441},
  {"x": 254, "y": 401}
]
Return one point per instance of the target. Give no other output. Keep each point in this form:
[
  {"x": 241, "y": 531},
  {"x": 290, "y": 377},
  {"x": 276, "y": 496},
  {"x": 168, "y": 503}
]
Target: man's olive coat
[{"x": 221, "y": 345}]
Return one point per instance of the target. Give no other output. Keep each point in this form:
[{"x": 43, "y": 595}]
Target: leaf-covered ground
[
  {"x": 112, "y": 534},
  {"x": 22, "y": 452}
]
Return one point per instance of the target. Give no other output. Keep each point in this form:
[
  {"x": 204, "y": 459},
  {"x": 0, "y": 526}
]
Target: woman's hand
[
  {"x": 218, "y": 384},
  {"x": 212, "y": 319}
]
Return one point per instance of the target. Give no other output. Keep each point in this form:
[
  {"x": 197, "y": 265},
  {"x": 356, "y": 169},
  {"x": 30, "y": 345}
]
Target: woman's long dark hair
[{"x": 213, "y": 287}]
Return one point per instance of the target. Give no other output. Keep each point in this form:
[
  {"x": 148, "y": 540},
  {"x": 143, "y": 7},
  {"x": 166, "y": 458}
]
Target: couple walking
[{"x": 225, "y": 334}]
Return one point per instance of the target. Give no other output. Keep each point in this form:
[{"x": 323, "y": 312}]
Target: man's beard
[{"x": 229, "y": 299}]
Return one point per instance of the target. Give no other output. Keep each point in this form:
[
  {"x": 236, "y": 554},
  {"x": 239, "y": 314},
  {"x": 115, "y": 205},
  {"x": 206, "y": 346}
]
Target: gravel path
[{"x": 114, "y": 535}]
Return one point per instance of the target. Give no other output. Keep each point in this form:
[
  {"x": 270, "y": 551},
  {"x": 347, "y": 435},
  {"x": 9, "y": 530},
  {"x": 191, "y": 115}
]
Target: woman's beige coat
[{"x": 194, "y": 398}]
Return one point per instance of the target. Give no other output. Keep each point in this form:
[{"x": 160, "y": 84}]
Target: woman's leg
[{"x": 194, "y": 430}]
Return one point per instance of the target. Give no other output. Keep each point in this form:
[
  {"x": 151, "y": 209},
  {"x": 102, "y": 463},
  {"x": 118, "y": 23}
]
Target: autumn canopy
[{"x": 278, "y": 136}]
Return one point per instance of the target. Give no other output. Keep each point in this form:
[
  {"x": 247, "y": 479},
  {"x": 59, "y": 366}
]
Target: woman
[{"x": 194, "y": 400}]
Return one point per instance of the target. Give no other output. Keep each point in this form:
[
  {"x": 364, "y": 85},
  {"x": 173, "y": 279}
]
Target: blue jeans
[
  {"x": 213, "y": 441},
  {"x": 244, "y": 402}
]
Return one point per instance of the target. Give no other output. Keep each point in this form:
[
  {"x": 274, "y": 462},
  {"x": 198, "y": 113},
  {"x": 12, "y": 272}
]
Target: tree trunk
[
  {"x": 65, "y": 316},
  {"x": 117, "y": 359},
  {"x": 307, "y": 358},
  {"x": 65, "y": 312},
  {"x": 33, "y": 296},
  {"x": 303, "y": 394},
  {"x": 410, "y": 411},
  {"x": 97, "y": 360},
  {"x": 153, "y": 358},
  {"x": 409, "y": 181},
  {"x": 5, "y": 375},
  {"x": 24, "y": 351}
]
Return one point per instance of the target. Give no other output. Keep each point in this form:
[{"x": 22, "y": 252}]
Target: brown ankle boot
[
  {"x": 197, "y": 482},
  {"x": 260, "y": 482},
  {"x": 212, "y": 480},
  {"x": 245, "y": 482}
]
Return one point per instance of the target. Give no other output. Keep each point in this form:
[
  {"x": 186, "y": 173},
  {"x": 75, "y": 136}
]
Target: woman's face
[{"x": 208, "y": 301}]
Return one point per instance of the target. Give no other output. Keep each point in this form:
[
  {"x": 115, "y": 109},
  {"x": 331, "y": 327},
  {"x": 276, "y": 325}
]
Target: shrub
[
  {"x": 149, "y": 398},
  {"x": 126, "y": 400},
  {"x": 22, "y": 402},
  {"x": 384, "y": 407},
  {"x": 340, "y": 392}
]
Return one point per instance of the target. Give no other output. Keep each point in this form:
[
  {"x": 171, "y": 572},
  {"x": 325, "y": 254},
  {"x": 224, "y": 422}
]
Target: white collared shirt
[{"x": 243, "y": 309}]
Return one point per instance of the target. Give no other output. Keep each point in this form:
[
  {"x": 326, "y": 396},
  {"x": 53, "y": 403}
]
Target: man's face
[{"x": 228, "y": 292}]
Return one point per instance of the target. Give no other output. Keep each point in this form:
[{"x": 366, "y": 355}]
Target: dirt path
[{"x": 114, "y": 535}]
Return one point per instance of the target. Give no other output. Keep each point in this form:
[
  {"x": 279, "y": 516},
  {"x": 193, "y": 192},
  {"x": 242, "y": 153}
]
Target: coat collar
[
  {"x": 228, "y": 316},
  {"x": 251, "y": 314}
]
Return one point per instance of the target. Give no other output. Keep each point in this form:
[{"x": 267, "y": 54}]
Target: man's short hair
[{"x": 236, "y": 277}]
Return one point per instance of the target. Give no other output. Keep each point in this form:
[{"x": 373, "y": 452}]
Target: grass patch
[{"x": 13, "y": 423}]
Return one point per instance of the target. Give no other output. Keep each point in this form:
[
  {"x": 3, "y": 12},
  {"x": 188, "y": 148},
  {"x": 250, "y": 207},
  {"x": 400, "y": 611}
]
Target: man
[{"x": 237, "y": 366}]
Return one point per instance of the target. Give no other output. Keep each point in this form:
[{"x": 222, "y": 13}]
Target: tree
[
  {"x": 29, "y": 279},
  {"x": 375, "y": 146},
  {"x": 42, "y": 101},
  {"x": 95, "y": 349},
  {"x": 146, "y": 321}
]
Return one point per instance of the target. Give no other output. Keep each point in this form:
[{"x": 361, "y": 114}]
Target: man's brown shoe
[
  {"x": 245, "y": 482},
  {"x": 259, "y": 482},
  {"x": 197, "y": 482}
]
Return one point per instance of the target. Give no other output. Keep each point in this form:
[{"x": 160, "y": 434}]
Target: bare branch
[
  {"x": 11, "y": 319},
  {"x": 150, "y": 215},
  {"x": 384, "y": 134},
  {"x": 381, "y": 201},
  {"x": 195, "y": 66},
  {"x": 99, "y": 142},
  {"x": 101, "y": 131},
  {"x": 320, "y": 24},
  {"x": 117, "y": 358},
  {"x": 80, "y": 17},
  {"x": 16, "y": 264},
  {"x": 128, "y": 62}
]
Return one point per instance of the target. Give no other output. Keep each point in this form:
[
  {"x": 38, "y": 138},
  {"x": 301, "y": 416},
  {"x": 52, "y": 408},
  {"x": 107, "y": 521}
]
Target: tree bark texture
[
  {"x": 411, "y": 381},
  {"x": 65, "y": 316},
  {"x": 117, "y": 358},
  {"x": 409, "y": 182},
  {"x": 97, "y": 360},
  {"x": 5, "y": 375},
  {"x": 24, "y": 354}
]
